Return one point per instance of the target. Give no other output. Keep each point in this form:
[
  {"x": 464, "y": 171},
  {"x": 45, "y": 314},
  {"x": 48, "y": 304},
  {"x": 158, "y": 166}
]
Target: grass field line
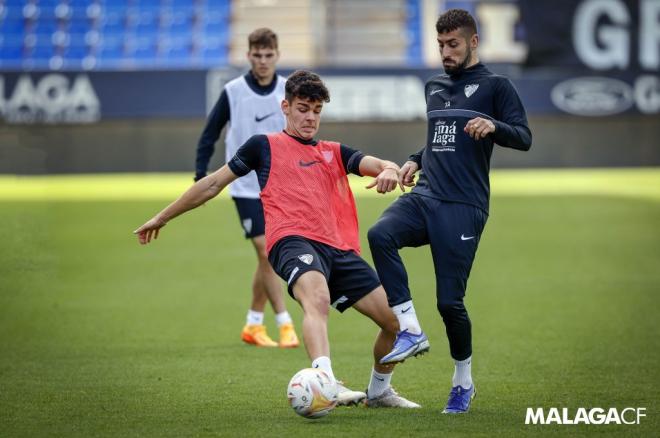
[{"x": 641, "y": 183}]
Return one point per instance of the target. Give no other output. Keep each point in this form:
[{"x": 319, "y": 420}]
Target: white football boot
[
  {"x": 348, "y": 397},
  {"x": 390, "y": 399}
]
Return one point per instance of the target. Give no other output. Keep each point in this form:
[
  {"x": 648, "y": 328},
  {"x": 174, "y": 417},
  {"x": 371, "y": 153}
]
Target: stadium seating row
[
  {"x": 173, "y": 34},
  {"x": 110, "y": 34}
]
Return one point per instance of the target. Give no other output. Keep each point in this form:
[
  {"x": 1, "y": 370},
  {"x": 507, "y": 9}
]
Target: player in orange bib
[{"x": 311, "y": 227}]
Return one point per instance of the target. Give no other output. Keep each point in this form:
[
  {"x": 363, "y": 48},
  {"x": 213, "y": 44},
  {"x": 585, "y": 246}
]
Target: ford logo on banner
[{"x": 592, "y": 96}]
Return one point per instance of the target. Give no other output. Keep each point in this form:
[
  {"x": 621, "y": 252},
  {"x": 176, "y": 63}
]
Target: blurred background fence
[{"x": 125, "y": 85}]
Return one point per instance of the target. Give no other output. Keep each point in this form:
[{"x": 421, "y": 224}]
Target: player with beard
[{"x": 469, "y": 110}]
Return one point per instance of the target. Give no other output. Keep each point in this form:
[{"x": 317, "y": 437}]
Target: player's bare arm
[
  {"x": 203, "y": 190},
  {"x": 386, "y": 173},
  {"x": 479, "y": 128}
]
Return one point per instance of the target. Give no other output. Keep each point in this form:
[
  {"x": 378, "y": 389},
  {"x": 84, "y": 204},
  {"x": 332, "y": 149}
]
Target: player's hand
[
  {"x": 407, "y": 175},
  {"x": 149, "y": 230},
  {"x": 479, "y": 128},
  {"x": 386, "y": 180}
]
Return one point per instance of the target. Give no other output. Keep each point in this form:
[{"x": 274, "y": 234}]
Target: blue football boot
[
  {"x": 459, "y": 400},
  {"x": 406, "y": 345}
]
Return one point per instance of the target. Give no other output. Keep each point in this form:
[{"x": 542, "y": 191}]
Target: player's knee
[
  {"x": 391, "y": 325},
  {"x": 378, "y": 236},
  {"x": 450, "y": 293},
  {"x": 318, "y": 303},
  {"x": 263, "y": 263},
  {"x": 450, "y": 308},
  {"x": 262, "y": 255}
]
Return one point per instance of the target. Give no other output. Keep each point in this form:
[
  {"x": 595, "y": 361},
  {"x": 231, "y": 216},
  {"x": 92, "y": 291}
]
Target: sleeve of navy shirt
[
  {"x": 511, "y": 128},
  {"x": 417, "y": 158},
  {"x": 351, "y": 159},
  {"x": 206, "y": 146},
  {"x": 250, "y": 156}
]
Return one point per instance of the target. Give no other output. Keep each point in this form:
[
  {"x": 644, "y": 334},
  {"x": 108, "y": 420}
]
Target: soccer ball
[{"x": 312, "y": 394}]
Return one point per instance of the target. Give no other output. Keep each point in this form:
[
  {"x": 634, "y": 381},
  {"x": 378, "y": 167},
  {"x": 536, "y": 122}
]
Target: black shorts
[
  {"x": 349, "y": 277},
  {"x": 251, "y": 213}
]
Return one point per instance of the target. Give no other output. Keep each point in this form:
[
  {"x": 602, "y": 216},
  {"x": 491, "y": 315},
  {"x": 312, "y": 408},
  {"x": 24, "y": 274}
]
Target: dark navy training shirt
[
  {"x": 454, "y": 167},
  {"x": 254, "y": 154}
]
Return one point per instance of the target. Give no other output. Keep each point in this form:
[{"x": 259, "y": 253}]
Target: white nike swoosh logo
[
  {"x": 437, "y": 91},
  {"x": 466, "y": 238}
]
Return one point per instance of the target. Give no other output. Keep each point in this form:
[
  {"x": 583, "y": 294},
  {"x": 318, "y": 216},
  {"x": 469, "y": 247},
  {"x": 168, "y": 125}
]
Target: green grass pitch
[{"x": 102, "y": 337}]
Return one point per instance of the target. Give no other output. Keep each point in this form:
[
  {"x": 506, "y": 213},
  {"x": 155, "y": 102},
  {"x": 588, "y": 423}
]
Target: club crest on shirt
[
  {"x": 306, "y": 258},
  {"x": 470, "y": 89},
  {"x": 327, "y": 156}
]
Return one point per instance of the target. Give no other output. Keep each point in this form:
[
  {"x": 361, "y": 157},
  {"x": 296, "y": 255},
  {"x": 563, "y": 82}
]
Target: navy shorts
[
  {"x": 349, "y": 277},
  {"x": 452, "y": 229},
  {"x": 251, "y": 213}
]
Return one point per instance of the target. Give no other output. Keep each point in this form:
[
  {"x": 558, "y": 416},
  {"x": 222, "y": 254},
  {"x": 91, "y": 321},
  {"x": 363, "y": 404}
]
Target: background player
[
  {"x": 251, "y": 105},
  {"x": 469, "y": 109},
  {"x": 311, "y": 227}
]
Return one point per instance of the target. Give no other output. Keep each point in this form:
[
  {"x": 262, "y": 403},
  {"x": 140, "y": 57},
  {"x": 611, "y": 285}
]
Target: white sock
[
  {"x": 462, "y": 373},
  {"x": 283, "y": 318},
  {"x": 323, "y": 363},
  {"x": 405, "y": 313},
  {"x": 378, "y": 383},
  {"x": 255, "y": 318}
]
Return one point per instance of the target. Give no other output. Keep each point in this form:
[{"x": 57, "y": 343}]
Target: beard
[{"x": 455, "y": 69}]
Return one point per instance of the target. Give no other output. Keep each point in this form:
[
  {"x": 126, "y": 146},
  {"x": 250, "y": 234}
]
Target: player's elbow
[
  {"x": 527, "y": 140},
  {"x": 524, "y": 139}
]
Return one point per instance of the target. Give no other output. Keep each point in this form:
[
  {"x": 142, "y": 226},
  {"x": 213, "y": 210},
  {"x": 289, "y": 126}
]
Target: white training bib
[{"x": 251, "y": 114}]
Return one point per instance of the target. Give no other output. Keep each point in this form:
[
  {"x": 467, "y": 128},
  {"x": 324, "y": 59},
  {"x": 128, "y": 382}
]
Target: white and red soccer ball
[{"x": 312, "y": 394}]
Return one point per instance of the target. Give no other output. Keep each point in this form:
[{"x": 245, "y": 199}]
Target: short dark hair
[
  {"x": 456, "y": 19},
  {"x": 306, "y": 85},
  {"x": 262, "y": 38}
]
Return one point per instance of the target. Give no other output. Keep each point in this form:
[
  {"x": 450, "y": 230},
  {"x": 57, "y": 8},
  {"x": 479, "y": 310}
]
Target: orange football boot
[
  {"x": 288, "y": 338},
  {"x": 255, "y": 334}
]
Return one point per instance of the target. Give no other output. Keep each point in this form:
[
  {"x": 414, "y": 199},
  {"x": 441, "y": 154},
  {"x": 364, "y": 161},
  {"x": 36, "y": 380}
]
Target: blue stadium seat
[
  {"x": 79, "y": 3},
  {"x": 11, "y": 40},
  {"x": 177, "y": 20},
  {"x": 147, "y": 30},
  {"x": 44, "y": 26},
  {"x": 79, "y": 26},
  {"x": 468, "y": 5},
  {"x": 145, "y": 51},
  {"x": 42, "y": 52},
  {"x": 413, "y": 33},
  {"x": 113, "y": 15},
  {"x": 146, "y": 16},
  {"x": 111, "y": 52},
  {"x": 63, "y": 12},
  {"x": 78, "y": 39},
  {"x": 183, "y": 3},
  {"x": 60, "y": 33},
  {"x": 11, "y": 55},
  {"x": 79, "y": 12},
  {"x": 151, "y": 4},
  {"x": 75, "y": 52},
  {"x": 12, "y": 26},
  {"x": 13, "y": 11},
  {"x": 214, "y": 51},
  {"x": 114, "y": 23}
]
